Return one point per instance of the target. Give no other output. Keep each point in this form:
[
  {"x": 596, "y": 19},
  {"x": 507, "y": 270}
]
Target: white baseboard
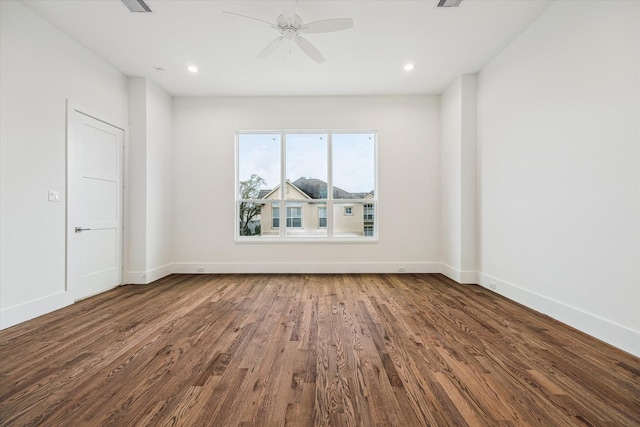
[
  {"x": 462, "y": 277},
  {"x": 30, "y": 310},
  {"x": 605, "y": 330},
  {"x": 305, "y": 267},
  {"x": 146, "y": 277}
]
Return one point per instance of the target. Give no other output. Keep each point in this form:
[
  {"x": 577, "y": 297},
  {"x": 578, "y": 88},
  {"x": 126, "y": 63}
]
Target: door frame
[{"x": 71, "y": 109}]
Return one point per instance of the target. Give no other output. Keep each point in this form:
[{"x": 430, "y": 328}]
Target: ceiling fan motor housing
[{"x": 291, "y": 28}]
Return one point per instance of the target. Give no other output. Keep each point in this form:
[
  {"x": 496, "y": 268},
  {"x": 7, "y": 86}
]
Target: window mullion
[
  {"x": 283, "y": 184},
  {"x": 329, "y": 185}
]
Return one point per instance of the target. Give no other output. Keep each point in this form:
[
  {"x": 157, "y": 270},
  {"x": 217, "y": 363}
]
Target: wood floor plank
[{"x": 303, "y": 350}]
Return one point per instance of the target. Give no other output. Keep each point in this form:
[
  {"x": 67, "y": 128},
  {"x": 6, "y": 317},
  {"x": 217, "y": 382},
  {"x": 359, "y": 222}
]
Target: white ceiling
[{"x": 367, "y": 59}]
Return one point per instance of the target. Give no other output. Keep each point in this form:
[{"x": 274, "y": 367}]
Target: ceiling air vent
[
  {"x": 136, "y": 5},
  {"x": 449, "y": 3}
]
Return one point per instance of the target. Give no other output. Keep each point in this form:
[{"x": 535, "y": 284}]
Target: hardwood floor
[{"x": 310, "y": 350}]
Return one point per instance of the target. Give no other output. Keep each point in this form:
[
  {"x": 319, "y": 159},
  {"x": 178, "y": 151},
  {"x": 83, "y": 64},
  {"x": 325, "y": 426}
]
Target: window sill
[{"x": 298, "y": 240}]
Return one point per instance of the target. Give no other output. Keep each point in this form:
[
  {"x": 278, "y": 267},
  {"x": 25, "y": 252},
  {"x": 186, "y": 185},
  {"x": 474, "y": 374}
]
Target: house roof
[
  {"x": 317, "y": 189},
  {"x": 264, "y": 194}
]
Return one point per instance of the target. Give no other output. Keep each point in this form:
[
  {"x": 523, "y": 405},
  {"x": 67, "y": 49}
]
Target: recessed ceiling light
[
  {"x": 192, "y": 68},
  {"x": 409, "y": 67}
]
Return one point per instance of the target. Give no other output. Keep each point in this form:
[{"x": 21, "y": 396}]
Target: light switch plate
[{"x": 54, "y": 196}]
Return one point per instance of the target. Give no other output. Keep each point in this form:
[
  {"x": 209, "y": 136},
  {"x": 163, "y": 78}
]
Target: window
[
  {"x": 275, "y": 216},
  {"x": 325, "y": 181},
  {"x": 294, "y": 216},
  {"x": 368, "y": 212},
  {"x": 322, "y": 217}
]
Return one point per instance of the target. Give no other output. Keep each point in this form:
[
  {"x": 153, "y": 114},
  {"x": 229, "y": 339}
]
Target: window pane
[
  {"x": 306, "y": 157},
  {"x": 266, "y": 222},
  {"x": 258, "y": 165},
  {"x": 303, "y": 220},
  {"x": 349, "y": 220},
  {"x": 249, "y": 218},
  {"x": 353, "y": 165}
]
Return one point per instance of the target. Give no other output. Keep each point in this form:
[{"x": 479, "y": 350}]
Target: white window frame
[{"x": 282, "y": 236}]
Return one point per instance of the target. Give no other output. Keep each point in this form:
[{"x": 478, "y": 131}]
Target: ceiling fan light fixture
[{"x": 138, "y": 6}]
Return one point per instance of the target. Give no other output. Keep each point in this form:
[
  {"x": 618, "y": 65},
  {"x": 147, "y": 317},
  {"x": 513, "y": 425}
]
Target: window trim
[{"x": 329, "y": 202}]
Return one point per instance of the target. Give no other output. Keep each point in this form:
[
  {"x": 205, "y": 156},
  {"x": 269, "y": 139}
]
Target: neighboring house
[{"x": 302, "y": 215}]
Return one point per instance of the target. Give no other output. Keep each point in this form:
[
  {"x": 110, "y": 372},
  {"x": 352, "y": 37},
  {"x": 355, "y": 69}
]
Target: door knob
[{"x": 80, "y": 229}]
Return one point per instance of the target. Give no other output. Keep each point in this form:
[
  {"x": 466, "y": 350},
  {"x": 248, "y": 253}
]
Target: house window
[
  {"x": 322, "y": 179},
  {"x": 368, "y": 212},
  {"x": 275, "y": 216},
  {"x": 294, "y": 216},
  {"x": 322, "y": 217},
  {"x": 368, "y": 230}
]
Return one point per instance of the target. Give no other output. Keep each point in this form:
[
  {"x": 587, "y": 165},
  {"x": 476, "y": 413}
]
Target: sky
[{"x": 307, "y": 156}]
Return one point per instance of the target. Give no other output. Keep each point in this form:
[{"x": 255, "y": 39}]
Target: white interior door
[{"x": 94, "y": 205}]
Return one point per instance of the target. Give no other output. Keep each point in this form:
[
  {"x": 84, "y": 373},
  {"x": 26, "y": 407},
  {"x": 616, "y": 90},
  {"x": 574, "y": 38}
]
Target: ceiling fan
[{"x": 291, "y": 27}]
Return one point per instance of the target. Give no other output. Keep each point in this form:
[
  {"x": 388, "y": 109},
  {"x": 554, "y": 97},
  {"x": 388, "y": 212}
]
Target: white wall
[
  {"x": 458, "y": 183},
  {"x": 149, "y": 226},
  {"x": 40, "y": 68},
  {"x": 136, "y": 189},
  {"x": 559, "y": 193},
  {"x": 159, "y": 183},
  {"x": 408, "y": 215},
  {"x": 450, "y": 176}
]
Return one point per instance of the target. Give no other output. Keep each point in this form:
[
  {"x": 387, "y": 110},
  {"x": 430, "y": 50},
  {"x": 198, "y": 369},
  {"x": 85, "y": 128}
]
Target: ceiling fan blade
[
  {"x": 327, "y": 26},
  {"x": 271, "y": 47},
  {"x": 309, "y": 49},
  {"x": 250, "y": 19}
]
